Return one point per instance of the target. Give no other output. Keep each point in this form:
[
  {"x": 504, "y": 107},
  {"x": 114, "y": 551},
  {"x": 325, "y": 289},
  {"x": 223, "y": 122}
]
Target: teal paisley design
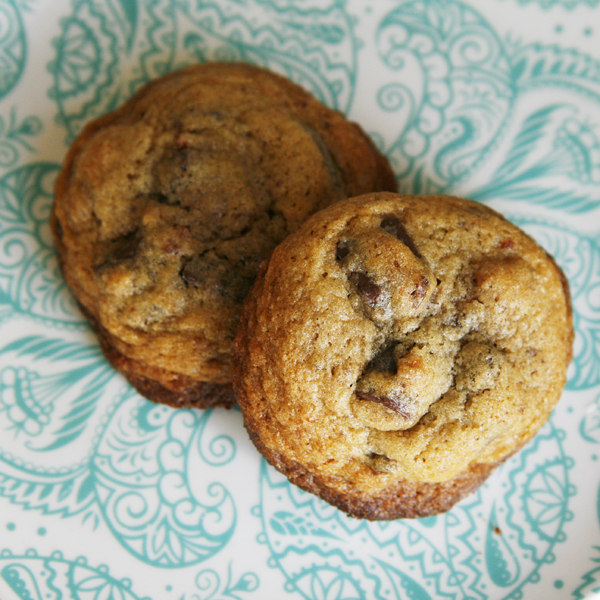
[
  {"x": 589, "y": 427},
  {"x": 33, "y": 577},
  {"x": 145, "y": 482},
  {"x": 591, "y": 580},
  {"x": 13, "y": 46},
  {"x": 465, "y": 103},
  {"x": 487, "y": 546},
  {"x": 30, "y": 281},
  {"x": 18, "y": 397},
  {"x": 212, "y": 587},
  {"x": 328, "y": 583},
  {"x": 304, "y": 41},
  {"x": 573, "y": 157},
  {"x": 151, "y": 475},
  {"x": 103, "y": 54},
  {"x": 14, "y": 137},
  {"x": 106, "y": 50},
  {"x": 34, "y": 402},
  {"x": 449, "y": 89},
  {"x": 500, "y": 559}
]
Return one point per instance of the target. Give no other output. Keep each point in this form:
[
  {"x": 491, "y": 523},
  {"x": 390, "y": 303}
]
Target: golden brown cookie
[
  {"x": 395, "y": 349},
  {"x": 165, "y": 208}
]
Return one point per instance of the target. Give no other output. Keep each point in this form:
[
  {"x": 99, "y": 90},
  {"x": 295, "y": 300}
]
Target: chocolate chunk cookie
[
  {"x": 395, "y": 349},
  {"x": 165, "y": 208}
]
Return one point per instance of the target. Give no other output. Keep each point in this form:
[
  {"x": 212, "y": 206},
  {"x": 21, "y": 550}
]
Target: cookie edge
[{"x": 403, "y": 499}]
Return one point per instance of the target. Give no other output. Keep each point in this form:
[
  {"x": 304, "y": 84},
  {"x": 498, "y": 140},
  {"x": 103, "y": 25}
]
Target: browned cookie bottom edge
[
  {"x": 182, "y": 392},
  {"x": 404, "y": 499}
]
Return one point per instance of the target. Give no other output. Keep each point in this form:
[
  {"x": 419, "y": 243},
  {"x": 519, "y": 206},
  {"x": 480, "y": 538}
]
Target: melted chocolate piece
[
  {"x": 385, "y": 361},
  {"x": 398, "y": 405},
  {"x": 341, "y": 251},
  {"x": 159, "y": 197},
  {"x": 392, "y": 225},
  {"x": 123, "y": 248},
  {"x": 366, "y": 287},
  {"x": 190, "y": 276},
  {"x": 380, "y": 463}
]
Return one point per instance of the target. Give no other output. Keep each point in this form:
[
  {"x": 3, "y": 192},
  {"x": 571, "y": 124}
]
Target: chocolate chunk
[
  {"x": 160, "y": 198},
  {"x": 218, "y": 278},
  {"x": 375, "y": 455},
  {"x": 397, "y": 404},
  {"x": 392, "y": 225},
  {"x": 341, "y": 250},
  {"x": 379, "y": 462},
  {"x": 366, "y": 287},
  {"x": 385, "y": 361},
  {"x": 121, "y": 249},
  {"x": 190, "y": 276},
  {"x": 124, "y": 248}
]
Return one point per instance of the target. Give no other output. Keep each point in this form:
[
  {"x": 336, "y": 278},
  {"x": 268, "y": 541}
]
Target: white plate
[{"x": 105, "y": 495}]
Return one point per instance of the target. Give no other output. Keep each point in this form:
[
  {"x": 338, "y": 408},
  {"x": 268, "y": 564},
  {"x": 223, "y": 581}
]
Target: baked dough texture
[
  {"x": 395, "y": 349},
  {"x": 165, "y": 208}
]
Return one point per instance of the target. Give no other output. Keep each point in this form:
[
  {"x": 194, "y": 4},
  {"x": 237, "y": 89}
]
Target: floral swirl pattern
[
  {"x": 31, "y": 282},
  {"x": 33, "y": 577},
  {"x": 102, "y": 46},
  {"x": 13, "y": 137},
  {"x": 13, "y": 46},
  {"x": 465, "y": 102},
  {"x": 459, "y": 95},
  {"x": 137, "y": 478},
  {"x": 211, "y": 587},
  {"x": 105, "y": 44},
  {"x": 146, "y": 490}
]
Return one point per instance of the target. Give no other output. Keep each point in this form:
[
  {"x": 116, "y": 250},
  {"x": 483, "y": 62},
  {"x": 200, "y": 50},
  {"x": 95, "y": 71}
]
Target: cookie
[
  {"x": 165, "y": 208},
  {"x": 396, "y": 349}
]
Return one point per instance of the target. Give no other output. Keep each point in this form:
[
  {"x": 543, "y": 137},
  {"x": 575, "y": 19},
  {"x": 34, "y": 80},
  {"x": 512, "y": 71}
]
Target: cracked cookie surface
[
  {"x": 395, "y": 349},
  {"x": 165, "y": 208}
]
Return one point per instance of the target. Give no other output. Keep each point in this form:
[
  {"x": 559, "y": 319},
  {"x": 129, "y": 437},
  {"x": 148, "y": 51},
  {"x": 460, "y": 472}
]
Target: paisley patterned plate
[{"x": 105, "y": 496}]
